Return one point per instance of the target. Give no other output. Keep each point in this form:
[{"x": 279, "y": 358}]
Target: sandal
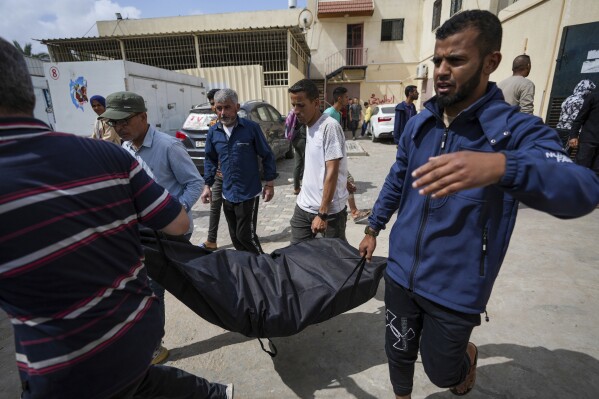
[
  {"x": 470, "y": 378},
  {"x": 207, "y": 248},
  {"x": 360, "y": 215}
]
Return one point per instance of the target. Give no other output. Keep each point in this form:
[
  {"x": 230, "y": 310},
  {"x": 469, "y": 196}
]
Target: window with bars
[
  {"x": 436, "y": 14},
  {"x": 456, "y": 5},
  {"x": 392, "y": 29}
]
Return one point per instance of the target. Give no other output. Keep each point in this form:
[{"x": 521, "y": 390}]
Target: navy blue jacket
[
  {"x": 238, "y": 158},
  {"x": 449, "y": 250},
  {"x": 403, "y": 112}
]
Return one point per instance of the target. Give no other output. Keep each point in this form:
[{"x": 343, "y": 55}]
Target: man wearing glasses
[{"x": 165, "y": 159}]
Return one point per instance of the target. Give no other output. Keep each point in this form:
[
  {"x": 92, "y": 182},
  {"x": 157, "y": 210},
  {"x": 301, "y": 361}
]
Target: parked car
[
  {"x": 195, "y": 129},
  {"x": 381, "y": 122}
]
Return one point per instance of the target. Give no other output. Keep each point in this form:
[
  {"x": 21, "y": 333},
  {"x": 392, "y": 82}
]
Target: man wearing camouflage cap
[{"x": 165, "y": 159}]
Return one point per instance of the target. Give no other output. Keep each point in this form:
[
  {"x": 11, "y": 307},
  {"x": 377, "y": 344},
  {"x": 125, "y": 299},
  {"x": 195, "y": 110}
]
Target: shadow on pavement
[
  {"x": 533, "y": 372},
  {"x": 354, "y": 340},
  {"x": 283, "y": 236},
  {"x": 209, "y": 345}
]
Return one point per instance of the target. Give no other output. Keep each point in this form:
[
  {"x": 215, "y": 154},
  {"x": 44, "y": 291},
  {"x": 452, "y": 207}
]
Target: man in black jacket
[{"x": 588, "y": 139}]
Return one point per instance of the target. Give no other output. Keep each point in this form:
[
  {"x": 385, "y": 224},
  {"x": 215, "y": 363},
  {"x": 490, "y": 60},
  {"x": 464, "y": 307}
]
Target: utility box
[{"x": 168, "y": 95}]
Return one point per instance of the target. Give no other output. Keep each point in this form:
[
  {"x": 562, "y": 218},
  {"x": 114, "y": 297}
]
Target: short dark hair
[
  {"x": 521, "y": 62},
  {"x": 409, "y": 89},
  {"x": 16, "y": 96},
  {"x": 338, "y": 92},
  {"x": 366, "y": 104},
  {"x": 211, "y": 94},
  {"x": 486, "y": 23},
  {"x": 307, "y": 86}
]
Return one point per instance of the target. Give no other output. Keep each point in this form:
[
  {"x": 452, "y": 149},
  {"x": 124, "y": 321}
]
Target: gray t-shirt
[{"x": 355, "y": 110}]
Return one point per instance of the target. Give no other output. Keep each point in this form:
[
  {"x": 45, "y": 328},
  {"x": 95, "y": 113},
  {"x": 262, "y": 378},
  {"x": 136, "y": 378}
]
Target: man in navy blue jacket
[
  {"x": 404, "y": 111},
  {"x": 236, "y": 143},
  {"x": 462, "y": 166}
]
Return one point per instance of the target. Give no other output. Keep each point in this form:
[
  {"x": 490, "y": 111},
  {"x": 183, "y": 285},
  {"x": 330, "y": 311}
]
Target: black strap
[
  {"x": 360, "y": 268},
  {"x": 270, "y": 344}
]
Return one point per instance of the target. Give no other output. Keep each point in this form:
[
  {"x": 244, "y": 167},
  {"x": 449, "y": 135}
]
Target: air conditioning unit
[{"x": 422, "y": 71}]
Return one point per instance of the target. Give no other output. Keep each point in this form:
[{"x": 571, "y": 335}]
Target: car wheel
[
  {"x": 289, "y": 153},
  {"x": 373, "y": 137}
]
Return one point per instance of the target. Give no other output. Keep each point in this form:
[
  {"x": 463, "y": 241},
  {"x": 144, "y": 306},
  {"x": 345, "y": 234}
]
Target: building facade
[{"x": 373, "y": 47}]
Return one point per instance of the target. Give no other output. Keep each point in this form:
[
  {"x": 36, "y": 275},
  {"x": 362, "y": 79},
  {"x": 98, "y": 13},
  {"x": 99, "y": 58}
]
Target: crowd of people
[{"x": 89, "y": 322}]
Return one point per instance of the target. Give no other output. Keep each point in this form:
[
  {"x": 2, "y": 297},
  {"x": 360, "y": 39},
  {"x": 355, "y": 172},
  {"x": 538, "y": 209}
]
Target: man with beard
[
  {"x": 233, "y": 144},
  {"x": 446, "y": 248}
]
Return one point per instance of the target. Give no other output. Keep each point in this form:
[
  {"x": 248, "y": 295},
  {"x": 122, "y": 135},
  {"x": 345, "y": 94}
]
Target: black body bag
[{"x": 264, "y": 296}]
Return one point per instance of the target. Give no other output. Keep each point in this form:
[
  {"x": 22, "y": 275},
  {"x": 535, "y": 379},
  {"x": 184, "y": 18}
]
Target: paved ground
[{"x": 541, "y": 341}]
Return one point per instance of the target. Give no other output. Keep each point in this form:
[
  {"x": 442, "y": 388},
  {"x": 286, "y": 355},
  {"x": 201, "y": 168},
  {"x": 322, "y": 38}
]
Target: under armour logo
[{"x": 402, "y": 337}]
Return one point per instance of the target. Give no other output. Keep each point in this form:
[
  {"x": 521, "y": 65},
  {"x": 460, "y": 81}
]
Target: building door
[
  {"x": 578, "y": 59},
  {"x": 355, "y": 44}
]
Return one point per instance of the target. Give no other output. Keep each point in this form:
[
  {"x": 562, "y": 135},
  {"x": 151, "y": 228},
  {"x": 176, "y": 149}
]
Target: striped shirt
[{"x": 72, "y": 278}]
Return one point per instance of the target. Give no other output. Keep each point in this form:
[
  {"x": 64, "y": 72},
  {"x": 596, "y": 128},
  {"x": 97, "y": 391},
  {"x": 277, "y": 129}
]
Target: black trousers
[
  {"x": 216, "y": 204},
  {"x": 441, "y": 334},
  {"x": 168, "y": 382},
  {"x": 242, "y": 218},
  {"x": 301, "y": 225},
  {"x": 588, "y": 156}
]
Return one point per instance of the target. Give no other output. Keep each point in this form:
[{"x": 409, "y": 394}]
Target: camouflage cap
[{"x": 122, "y": 104}]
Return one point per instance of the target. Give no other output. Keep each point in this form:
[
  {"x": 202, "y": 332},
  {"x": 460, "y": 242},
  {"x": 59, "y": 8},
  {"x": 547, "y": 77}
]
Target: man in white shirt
[{"x": 320, "y": 205}]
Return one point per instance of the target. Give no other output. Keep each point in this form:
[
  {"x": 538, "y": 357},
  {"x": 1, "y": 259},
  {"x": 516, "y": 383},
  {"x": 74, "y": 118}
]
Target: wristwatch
[
  {"x": 323, "y": 216},
  {"x": 370, "y": 231}
]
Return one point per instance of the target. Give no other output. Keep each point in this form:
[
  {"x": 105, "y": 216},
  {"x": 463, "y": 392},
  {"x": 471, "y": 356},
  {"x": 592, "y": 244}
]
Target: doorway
[{"x": 355, "y": 45}]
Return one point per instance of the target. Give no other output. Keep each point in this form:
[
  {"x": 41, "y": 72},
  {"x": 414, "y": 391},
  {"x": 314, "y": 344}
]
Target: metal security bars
[{"x": 272, "y": 48}]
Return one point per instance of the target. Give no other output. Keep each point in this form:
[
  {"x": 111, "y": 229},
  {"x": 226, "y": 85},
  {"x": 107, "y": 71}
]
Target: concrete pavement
[{"x": 541, "y": 341}]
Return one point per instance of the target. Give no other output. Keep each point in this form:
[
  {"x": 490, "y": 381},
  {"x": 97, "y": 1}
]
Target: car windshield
[
  {"x": 199, "y": 119},
  {"x": 388, "y": 110}
]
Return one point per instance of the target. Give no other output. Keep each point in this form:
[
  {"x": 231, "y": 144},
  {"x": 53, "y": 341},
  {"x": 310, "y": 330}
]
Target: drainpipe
[{"x": 555, "y": 49}]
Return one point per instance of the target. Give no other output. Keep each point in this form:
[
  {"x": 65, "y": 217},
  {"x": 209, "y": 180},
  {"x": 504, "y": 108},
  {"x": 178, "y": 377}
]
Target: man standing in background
[
  {"x": 517, "y": 90},
  {"x": 355, "y": 113},
  {"x": 404, "y": 111}
]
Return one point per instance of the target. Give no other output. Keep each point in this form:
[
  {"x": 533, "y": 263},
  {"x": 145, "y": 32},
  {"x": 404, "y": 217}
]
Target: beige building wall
[
  {"x": 537, "y": 25},
  {"x": 391, "y": 65},
  {"x": 204, "y": 23},
  {"x": 245, "y": 80}
]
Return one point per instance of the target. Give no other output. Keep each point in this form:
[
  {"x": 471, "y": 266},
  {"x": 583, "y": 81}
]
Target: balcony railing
[{"x": 347, "y": 57}]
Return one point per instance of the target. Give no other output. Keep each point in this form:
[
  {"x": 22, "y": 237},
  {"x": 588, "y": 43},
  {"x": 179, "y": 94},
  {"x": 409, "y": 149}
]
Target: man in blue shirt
[
  {"x": 236, "y": 143},
  {"x": 163, "y": 157},
  {"x": 404, "y": 111}
]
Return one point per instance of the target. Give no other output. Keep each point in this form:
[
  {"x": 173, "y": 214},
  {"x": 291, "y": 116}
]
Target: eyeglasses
[{"x": 120, "y": 122}]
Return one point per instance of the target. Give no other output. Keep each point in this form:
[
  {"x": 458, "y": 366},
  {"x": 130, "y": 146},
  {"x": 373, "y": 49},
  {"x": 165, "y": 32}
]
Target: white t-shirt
[{"x": 325, "y": 141}]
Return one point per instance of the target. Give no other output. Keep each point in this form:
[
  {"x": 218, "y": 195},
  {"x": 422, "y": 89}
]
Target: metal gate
[{"x": 578, "y": 59}]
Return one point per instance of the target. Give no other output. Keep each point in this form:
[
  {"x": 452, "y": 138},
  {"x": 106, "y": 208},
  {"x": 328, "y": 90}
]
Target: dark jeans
[
  {"x": 588, "y": 156},
  {"x": 301, "y": 225},
  {"x": 163, "y": 382},
  {"x": 299, "y": 145},
  {"x": 353, "y": 126},
  {"x": 242, "y": 218},
  {"x": 215, "y": 207},
  {"x": 441, "y": 334},
  {"x": 364, "y": 127}
]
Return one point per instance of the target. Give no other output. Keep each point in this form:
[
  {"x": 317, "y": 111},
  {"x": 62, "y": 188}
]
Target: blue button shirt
[
  {"x": 171, "y": 167},
  {"x": 238, "y": 156}
]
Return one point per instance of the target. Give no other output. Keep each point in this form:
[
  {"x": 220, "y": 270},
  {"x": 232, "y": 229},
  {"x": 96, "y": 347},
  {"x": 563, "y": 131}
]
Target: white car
[{"x": 382, "y": 122}]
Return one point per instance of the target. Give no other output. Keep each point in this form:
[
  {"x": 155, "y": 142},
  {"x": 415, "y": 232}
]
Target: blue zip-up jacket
[
  {"x": 403, "y": 113},
  {"x": 449, "y": 250},
  {"x": 238, "y": 159}
]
